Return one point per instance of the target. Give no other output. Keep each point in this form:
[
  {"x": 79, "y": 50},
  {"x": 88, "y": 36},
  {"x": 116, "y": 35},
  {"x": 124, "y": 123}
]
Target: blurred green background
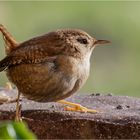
[{"x": 115, "y": 67}]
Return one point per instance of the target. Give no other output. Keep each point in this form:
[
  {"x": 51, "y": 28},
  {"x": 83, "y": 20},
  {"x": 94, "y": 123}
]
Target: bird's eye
[{"x": 82, "y": 40}]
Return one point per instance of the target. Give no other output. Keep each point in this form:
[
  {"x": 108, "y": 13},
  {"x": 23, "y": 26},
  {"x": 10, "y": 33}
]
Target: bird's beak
[{"x": 100, "y": 42}]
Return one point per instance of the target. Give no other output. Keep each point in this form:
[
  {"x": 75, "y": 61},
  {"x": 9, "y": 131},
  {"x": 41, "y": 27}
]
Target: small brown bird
[{"x": 50, "y": 67}]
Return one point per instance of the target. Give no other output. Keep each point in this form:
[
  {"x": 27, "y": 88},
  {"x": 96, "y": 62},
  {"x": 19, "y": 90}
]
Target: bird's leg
[
  {"x": 18, "y": 109},
  {"x": 76, "y": 107},
  {"x": 17, "y": 100},
  {"x": 6, "y": 99}
]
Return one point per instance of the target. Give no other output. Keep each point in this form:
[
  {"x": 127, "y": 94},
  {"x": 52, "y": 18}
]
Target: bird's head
[{"x": 78, "y": 43}]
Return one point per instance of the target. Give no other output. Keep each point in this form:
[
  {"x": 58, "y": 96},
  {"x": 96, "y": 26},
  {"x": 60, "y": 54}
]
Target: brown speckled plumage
[{"x": 50, "y": 67}]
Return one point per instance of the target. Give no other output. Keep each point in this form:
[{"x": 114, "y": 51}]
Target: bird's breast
[
  {"x": 78, "y": 68},
  {"x": 49, "y": 81}
]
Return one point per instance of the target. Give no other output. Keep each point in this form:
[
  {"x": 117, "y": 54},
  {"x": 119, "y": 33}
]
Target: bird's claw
[{"x": 80, "y": 108}]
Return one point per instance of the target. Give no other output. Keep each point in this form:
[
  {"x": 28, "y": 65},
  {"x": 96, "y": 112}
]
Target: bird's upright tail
[{"x": 10, "y": 42}]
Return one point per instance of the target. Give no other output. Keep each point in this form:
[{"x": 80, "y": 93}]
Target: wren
[{"x": 51, "y": 67}]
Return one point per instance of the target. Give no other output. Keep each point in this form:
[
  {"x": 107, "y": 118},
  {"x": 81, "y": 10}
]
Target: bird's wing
[
  {"x": 12, "y": 61},
  {"x": 36, "y": 50}
]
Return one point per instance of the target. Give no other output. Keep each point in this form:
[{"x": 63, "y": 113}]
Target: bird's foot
[
  {"x": 11, "y": 100},
  {"x": 80, "y": 108},
  {"x": 8, "y": 86},
  {"x": 76, "y": 107}
]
